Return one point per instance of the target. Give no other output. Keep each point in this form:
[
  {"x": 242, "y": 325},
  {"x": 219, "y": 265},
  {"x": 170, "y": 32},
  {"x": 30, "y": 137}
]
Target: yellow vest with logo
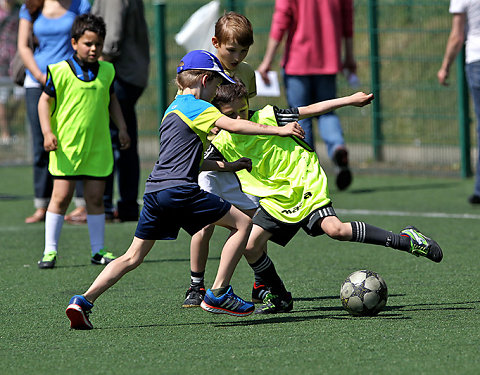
[
  {"x": 80, "y": 121},
  {"x": 286, "y": 173}
]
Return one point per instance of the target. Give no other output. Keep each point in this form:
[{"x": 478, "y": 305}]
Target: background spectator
[
  {"x": 8, "y": 47},
  {"x": 51, "y": 22},
  {"x": 126, "y": 46},
  {"x": 466, "y": 28},
  {"x": 311, "y": 61}
]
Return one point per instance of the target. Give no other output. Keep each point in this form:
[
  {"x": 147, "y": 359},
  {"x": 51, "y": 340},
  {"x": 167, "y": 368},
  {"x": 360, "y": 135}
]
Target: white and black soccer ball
[{"x": 364, "y": 293}]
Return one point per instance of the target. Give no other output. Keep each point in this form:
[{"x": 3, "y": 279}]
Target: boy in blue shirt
[{"x": 173, "y": 199}]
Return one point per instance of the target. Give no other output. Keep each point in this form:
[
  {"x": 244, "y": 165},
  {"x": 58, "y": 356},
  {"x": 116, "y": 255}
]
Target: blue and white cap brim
[{"x": 203, "y": 60}]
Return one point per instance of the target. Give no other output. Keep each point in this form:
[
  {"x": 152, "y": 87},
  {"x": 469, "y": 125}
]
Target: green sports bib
[
  {"x": 286, "y": 173},
  {"x": 80, "y": 120}
]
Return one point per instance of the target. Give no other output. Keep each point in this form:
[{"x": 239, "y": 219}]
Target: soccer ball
[{"x": 364, "y": 293}]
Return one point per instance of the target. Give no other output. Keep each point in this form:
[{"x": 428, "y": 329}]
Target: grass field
[{"x": 431, "y": 324}]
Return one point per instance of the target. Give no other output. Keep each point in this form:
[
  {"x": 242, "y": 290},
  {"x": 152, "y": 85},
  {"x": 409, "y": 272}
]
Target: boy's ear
[
  {"x": 215, "y": 42},
  {"x": 203, "y": 81},
  {"x": 74, "y": 44}
]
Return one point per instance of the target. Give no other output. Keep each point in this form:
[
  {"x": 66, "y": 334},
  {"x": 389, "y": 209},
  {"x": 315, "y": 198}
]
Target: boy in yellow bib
[
  {"x": 74, "y": 112},
  {"x": 287, "y": 177}
]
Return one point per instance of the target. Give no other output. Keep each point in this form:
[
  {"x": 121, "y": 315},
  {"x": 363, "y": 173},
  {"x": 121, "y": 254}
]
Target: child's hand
[
  {"x": 124, "y": 139},
  {"x": 242, "y": 163},
  {"x": 50, "y": 142},
  {"x": 215, "y": 130},
  {"x": 292, "y": 128},
  {"x": 360, "y": 99}
]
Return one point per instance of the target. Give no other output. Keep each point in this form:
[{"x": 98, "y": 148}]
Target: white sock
[
  {"x": 53, "y": 228},
  {"x": 96, "y": 228}
]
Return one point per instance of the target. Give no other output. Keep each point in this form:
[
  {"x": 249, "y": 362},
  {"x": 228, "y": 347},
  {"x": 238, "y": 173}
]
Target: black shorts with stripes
[{"x": 283, "y": 232}]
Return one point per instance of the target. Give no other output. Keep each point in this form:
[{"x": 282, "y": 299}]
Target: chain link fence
[{"x": 414, "y": 125}]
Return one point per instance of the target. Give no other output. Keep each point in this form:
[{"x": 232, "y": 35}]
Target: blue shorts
[{"x": 164, "y": 212}]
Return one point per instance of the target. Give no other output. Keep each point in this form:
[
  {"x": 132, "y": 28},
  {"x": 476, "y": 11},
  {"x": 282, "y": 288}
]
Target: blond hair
[{"x": 191, "y": 78}]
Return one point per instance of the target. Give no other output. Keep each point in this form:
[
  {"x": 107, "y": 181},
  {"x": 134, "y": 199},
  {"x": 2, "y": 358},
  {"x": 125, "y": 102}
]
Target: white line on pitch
[{"x": 440, "y": 215}]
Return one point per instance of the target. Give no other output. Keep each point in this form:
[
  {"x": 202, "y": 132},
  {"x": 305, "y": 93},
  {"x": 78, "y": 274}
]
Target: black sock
[
  {"x": 362, "y": 232},
  {"x": 264, "y": 270},
  {"x": 197, "y": 278}
]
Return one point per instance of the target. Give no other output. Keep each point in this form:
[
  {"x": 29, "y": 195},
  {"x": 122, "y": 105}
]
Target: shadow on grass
[
  {"x": 320, "y": 298},
  {"x": 402, "y": 188},
  {"x": 396, "y": 312}
]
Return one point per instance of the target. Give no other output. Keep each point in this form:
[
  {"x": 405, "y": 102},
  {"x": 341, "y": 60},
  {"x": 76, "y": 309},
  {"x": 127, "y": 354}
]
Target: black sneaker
[
  {"x": 474, "y": 199},
  {"x": 48, "y": 260},
  {"x": 344, "y": 175},
  {"x": 273, "y": 304},
  {"x": 421, "y": 245},
  {"x": 194, "y": 296},
  {"x": 103, "y": 257},
  {"x": 259, "y": 292}
]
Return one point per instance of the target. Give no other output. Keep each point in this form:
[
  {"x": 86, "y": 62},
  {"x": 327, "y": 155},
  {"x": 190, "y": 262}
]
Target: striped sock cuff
[
  {"x": 358, "y": 231},
  {"x": 262, "y": 264}
]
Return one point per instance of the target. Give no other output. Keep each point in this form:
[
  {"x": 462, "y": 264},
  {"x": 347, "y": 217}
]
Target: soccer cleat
[
  {"x": 194, "y": 296},
  {"x": 421, "y": 245},
  {"x": 228, "y": 303},
  {"x": 48, "y": 260},
  {"x": 474, "y": 199},
  {"x": 103, "y": 257},
  {"x": 78, "y": 311},
  {"x": 273, "y": 304},
  {"x": 259, "y": 292}
]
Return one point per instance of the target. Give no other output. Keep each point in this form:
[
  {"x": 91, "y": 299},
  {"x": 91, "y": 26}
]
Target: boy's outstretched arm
[
  {"x": 246, "y": 127},
  {"x": 224, "y": 166},
  {"x": 117, "y": 117},
  {"x": 359, "y": 99},
  {"x": 49, "y": 139}
]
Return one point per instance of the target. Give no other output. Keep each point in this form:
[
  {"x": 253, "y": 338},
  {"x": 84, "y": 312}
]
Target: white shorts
[{"x": 227, "y": 186}]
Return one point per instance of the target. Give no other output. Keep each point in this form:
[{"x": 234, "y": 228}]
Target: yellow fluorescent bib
[
  {"x": 80, "y": 120},
  {"x": 285, "y": 175}
]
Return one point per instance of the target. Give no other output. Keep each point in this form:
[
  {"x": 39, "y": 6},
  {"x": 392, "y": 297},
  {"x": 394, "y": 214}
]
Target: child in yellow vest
[{"x": 74, "y": 112}]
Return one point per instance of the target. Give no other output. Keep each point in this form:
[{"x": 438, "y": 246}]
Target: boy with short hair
[
  {"x": 287, "y": 176},
  {"x": 74, "y": 112},
  {"x": 173, "y": 199},
  {"x": 233, "y": 38}
]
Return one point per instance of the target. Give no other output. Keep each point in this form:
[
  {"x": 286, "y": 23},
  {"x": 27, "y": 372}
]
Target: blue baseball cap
[{"x": 203, "y": 60}]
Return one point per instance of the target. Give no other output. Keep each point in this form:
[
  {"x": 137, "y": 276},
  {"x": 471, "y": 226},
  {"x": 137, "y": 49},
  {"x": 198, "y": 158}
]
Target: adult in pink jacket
[{"x": 315, "y": 30}]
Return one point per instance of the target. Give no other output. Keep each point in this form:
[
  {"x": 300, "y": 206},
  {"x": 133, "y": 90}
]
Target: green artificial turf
[{"x": 431, "y": 324}]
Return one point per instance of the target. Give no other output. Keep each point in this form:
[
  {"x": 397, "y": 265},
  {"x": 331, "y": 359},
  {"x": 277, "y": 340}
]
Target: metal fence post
[
  {"x": 463, "y": 116},
  {"x": 377, "y": 136},
  {"x": 160, "y": 31}
]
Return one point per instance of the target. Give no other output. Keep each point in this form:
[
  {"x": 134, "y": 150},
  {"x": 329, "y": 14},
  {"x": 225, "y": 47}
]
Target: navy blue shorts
[{"x": 164, "y": 212}]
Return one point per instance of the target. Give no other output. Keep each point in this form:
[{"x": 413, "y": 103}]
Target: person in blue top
[
  {"x": 173, "y": 199},
  {"x": 51, "y": 22}
]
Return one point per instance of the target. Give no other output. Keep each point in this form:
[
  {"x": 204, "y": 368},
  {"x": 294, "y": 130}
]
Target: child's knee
[
  {"x": 338, "y": 231},
  {"x": 246, "y": 223},
  {"x": 94, "y": 201}
]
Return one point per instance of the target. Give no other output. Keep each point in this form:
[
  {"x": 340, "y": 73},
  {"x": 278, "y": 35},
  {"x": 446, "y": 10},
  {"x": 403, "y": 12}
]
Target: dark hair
[
  {"x": 88, "y": 22},
  {"x": 34, "y": 7},
  {"x": 236, "y": 27},
  {"x": 228, "y": 93}
]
